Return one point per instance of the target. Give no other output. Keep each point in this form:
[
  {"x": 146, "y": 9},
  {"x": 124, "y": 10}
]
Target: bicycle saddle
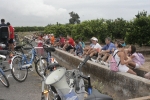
[
  {"x": 98, "y": 96},
  {"x": 18, "y": 47},
  {"x": 3, "y": 52},
  {"x": 49, "y": 49}
]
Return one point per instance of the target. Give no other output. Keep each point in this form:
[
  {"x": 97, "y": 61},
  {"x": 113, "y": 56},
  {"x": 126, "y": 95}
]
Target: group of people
[
  {"x": 126, "y": 58},
  {"x": 7, "y": 35}
]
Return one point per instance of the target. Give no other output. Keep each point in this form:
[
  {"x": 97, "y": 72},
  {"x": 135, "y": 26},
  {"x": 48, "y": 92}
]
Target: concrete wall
[{"x": 120, "y": 86}]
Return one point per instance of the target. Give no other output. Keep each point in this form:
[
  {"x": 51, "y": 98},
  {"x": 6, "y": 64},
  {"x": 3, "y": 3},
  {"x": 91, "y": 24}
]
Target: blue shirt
[
  {"x": 78, "y": 48},
  {"x": 109, "y": 46}
]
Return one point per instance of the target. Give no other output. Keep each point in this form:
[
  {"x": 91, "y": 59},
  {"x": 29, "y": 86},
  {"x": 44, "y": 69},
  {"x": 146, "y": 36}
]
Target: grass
[{"x": 98, "y": 85}]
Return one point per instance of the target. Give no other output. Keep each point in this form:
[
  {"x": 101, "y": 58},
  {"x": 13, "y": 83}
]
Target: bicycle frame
[
  {"x": 24, "y": 58},
  {"x": 1, "y": 71}
]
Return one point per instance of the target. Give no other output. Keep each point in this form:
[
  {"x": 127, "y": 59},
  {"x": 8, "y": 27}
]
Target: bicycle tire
[
  {"x": 18, "y": 68},
  {"x": 38, "y": 68},
  {"x": 4, "y": 81}
]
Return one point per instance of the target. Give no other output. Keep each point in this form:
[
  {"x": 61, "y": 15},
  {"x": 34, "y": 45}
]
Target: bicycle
[
  {"x": 20, "y": 63},
  {"x": 3, "y": 77},
  {"x": 47, "y": 64},
  {"x": 43, "y": 62},
  {"x": 69, "y": 85}
]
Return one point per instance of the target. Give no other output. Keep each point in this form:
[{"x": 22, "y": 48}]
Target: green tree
[{"x": 74, "y": 18}]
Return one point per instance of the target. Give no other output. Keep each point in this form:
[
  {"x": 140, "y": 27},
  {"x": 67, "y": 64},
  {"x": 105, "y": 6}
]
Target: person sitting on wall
[
  {"x": 69, "y": 44},
  {"x": 78, "y": 49},
  {"x": 60, "y": 41},
  {"x": 121, "y": 59},
  {"x": 106, "y": 50},
  {"x": 85, "y": 49},
  {"x": 136, "y": 62},
  {"x": 52, "y": 39},
  {"x": 95, "y": 49}
]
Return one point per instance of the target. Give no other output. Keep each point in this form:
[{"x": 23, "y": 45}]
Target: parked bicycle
[
  {"x": 20, "y": 63},
  {"x": 62, "y": 84},
  {"x": 43, "y": 62},
  {"x": 45, "y": 67},
  {"x": 3, "y": 69}
]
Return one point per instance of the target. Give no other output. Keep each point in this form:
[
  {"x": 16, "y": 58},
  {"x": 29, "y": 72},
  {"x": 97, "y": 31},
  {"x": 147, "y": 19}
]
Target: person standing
[
  {"x": 4, "y": 32},
  {"x": 11, "y": 37}
]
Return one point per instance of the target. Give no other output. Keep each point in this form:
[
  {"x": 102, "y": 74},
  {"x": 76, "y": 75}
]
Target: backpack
[
  {"x": 113, "y": 64},
  {"x": 4, "y": 32},
  {"x": 142, "y": 59}
]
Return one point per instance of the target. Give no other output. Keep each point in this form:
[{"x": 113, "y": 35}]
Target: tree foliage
[
  {"x": 29, "y": 29},
  {"x": 74, "y": 18},
  {"x": 136, "y": 31}
]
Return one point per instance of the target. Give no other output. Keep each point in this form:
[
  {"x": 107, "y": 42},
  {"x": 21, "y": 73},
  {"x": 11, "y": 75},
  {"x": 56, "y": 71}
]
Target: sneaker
[{"x": 93, "y": 60}]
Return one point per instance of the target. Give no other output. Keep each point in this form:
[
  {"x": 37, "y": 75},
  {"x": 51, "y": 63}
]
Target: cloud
[
  {"x": 43, "y": 12},
  {"x": 34, "y": 7}
]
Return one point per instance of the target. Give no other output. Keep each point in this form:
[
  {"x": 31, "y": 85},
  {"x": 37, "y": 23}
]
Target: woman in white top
[{"x": 120, "y": 59}]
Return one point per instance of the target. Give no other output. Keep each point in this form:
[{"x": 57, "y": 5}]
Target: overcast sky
[{"x": 43, "y": 12}]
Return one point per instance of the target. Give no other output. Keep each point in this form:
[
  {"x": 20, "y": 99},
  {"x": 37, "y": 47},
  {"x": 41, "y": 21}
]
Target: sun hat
[{"x": 94, "y": 38}]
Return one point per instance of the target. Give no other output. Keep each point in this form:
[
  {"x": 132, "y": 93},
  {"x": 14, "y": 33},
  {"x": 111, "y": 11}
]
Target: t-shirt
[
  {"x": 109, "y": 46},
  {"x": 71, "y": 42},
  {"x": 82, "y": 44},
  {"x": 62, "y": 40},
  {"x": 97, "y": 46},
  {"x": 52, "y": 39},
  {"x": 11, "y": 32},
  {"x": 46, "y": 37},
  {"x": 78, "y": 48}
]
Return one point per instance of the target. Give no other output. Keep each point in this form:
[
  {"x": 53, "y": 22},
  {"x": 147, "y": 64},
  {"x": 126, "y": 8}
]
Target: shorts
[
  {"x": 96, "y": 54},
  {"x": 62, "y": 45},
  {"x": 11, "y": 41},
  {"x": 137, "y": 65},
  {"x": 69, "y": 47},
  {"x": 123, "y": 68}
]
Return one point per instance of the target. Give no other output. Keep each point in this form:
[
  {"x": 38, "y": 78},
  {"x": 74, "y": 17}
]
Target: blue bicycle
[
  {"x": 20, "y": 64},
  {"x": 3, "y": 77},
  {"x": 43, "y": 62}
]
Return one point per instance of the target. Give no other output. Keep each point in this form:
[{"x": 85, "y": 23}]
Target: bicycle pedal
[{"x": 4, "y": 67}]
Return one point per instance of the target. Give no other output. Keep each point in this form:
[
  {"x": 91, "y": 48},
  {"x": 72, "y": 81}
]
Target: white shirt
[
  {"x": 46, "y": 37},
  {"x": 97, "y": 46}
]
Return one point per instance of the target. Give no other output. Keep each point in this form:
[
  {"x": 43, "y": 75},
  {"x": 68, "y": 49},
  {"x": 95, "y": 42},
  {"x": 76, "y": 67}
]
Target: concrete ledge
[
  {"x": 120, "y": 86},
  {"x": 142, "y": 98}
]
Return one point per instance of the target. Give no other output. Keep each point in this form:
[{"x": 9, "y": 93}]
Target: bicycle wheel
[
  {"x": 40, "y": 66},
  {"x": 4, "y": 80},
  {"x": 19, "y": 73}
]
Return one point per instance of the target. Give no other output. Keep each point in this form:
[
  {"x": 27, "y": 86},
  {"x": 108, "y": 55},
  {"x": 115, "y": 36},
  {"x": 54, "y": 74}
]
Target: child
[
  {"x": 134, "y": 56},
  {"x": 82, "y": 43},
  {"x": 78, "y": 49}
]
